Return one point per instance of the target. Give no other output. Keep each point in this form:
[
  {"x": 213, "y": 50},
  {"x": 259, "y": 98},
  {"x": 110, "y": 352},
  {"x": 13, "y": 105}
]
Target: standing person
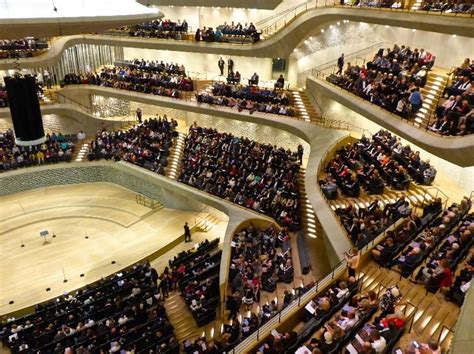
[
  {"x": 233, "y": 304},
  {"x": 280, "y": 83},
  {"x": 187, "y": 233},
  {"x": 300, "y": 154},
  {"x": 47, "y": 79},
  {"x": 416, "y": 101},
  {"x": 352, "y": 259},
  {"x": 164, "y": 286},
  {"x": 221, "y": 65},
  {"x": 230, "y": 65},
  {"x": 138, "y": 114},
  {"x": 340, "y": 64}
]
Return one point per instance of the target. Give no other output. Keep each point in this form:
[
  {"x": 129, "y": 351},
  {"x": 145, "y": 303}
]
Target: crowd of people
[
  {"x": 196, "y": 274},
  {"x": 132, "y": 78},
  {"x": 146, "y": 144},
  {"x": 462, "y": 282},
  {"x": 391, "y": 80},
  {"x": 21, "y": 48},
  {"x": 438, "y": 270},
  {"x": 122, "y": 313},
  {"x": 257, "y": 176},
  {"x": 425, "y": 242},
  {"x": 228, "y": 33},
  {"x": 56, "y": 148},
  {"x": 160, "y": 28},
  {"x": 427, "y": 5},
  {"x": 259, "y": 259},
  {"x": 373, "y": 164},
  {"x": 365, "y": 224},
  {"x": 447, "y": 6},
  {"x": 167, "y": 29},
  {"x": 251, "y": 93},
  {"x": 154, "y": 66},
  {"x": 455, "y": 116},
  {"x": 251, "y": 98}
]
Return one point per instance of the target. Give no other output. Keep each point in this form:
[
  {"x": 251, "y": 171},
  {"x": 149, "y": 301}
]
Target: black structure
[{"x": 25, "y": 110}]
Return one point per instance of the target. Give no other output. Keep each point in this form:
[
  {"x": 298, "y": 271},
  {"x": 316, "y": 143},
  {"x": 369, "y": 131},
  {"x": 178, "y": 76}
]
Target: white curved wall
[
  {"x": 351, "y": 37},
  {"x": 68, "y": 8},
  {"x": 217, "y": 15},
  {"x": 205, "y": 63}
]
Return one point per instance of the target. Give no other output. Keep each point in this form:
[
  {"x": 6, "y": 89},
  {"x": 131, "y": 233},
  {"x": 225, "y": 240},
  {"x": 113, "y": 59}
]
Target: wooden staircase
[
  {"x": 180, "y": 317},
  {"x": 431, "y": 92},
  {"x": 433, "y": 317},
  {"x": 310, "y": 224},
  {"x": 304, "y": 110},
  {"x": 80, "y": 151},
  {"x": 415, "y": 5},
  {"x": 416, "y": 195},
  {"x": 177, "y": 152},
  {"x": 205, "y": 222},
  {"x": 200, "y": 85}
]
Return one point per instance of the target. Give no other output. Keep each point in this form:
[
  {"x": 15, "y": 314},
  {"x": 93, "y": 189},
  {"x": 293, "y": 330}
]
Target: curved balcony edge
[
  {"x": 251, "y": 4},
  {"x": 457, "y": 150},
  {"x": 281, "y": 44},
  {"x": 52, "y": 27}
]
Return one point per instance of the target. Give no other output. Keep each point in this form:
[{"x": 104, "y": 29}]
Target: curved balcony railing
[
  {"x": 318, "y": 74},
  {"x": 272, "y": 24}
]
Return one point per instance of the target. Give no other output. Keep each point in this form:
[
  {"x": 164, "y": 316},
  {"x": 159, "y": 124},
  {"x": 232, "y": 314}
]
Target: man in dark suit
[
  {"x": 221, "y": 64},
  {"x": 187, "y": 233},
  {"x": 230, "y": 65},
  {"x": 340, "y": 64}
]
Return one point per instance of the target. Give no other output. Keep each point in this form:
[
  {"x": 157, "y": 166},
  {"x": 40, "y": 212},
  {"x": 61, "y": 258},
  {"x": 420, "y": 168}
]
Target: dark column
[{"x": 25, "y": 110}]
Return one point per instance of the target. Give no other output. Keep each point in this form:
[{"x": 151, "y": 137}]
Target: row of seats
[
  {"x": 258, "y": 176},
  {"x": 424, "y": 243},
  {"x": 121, "y": 312},
  {"x": 198, "y": 280},
  {"x": 147, "y": 144},
  {"x": 56, "y": 148}
]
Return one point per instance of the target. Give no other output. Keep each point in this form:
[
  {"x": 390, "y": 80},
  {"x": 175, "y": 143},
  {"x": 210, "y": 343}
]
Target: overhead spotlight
[
  {"x": 387, "y": 26},
  {"x": 322, "y": 30},
  {"x": 454, "y": 36},
  {"x": 413, "y": 30},
  {"x": 338, "y": 23}
]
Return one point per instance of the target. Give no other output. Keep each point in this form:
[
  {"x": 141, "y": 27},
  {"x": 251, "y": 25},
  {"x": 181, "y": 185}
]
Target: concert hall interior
[{"x": 238, "y": 176}]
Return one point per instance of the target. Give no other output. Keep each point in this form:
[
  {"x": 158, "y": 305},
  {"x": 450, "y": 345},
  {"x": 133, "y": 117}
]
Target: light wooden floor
[{"x": 118, "y": 229}]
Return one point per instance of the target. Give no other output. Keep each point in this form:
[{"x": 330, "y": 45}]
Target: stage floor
[{"x": 94, "y": 224}]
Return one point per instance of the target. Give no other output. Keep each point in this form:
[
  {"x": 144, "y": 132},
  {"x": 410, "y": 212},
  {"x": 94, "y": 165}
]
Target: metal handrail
[
  {"x": 325, "y": 65},
  {"x": 297, "y": 303},
  {"x": 443, "y": 327},
  {"x": 64, "y": 99},
  {"x": 290, "y": 14},
  {"x": 318, "y": 74}
]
